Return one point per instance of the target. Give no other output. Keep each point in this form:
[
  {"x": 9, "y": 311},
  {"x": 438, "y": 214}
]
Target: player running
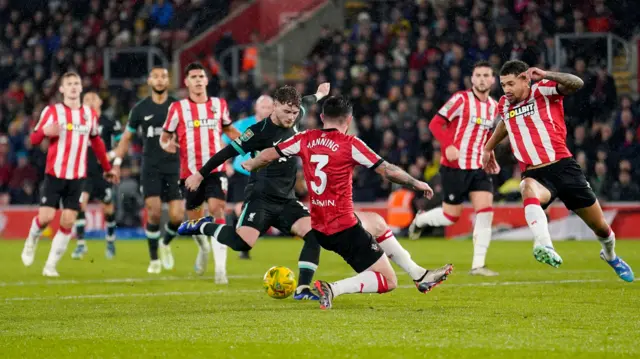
[
  {"x": 533, "y": 118},
  {"x": 198, "y": 122},
  {"x": 160, "y": 170},
  {"x": 268, "y": 215},
  {"x": 462, "y": 126},
  {"x": 69, "y": 127},
  {"x": 329, "y": 157},
  {"x": 240, "y": 179},
  {"x": 95, "y": 186}
]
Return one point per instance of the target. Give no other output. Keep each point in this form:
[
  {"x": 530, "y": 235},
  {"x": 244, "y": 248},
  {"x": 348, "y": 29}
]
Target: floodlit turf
[{"x": 114, "y": 309}]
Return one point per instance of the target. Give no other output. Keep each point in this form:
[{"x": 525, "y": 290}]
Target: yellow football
[{"x": 279, "y": 282}]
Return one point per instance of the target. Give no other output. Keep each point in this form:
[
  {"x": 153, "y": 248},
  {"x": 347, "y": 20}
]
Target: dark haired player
[
  {"x": 329, "y": 157},
  {"x": 533, "y": 118},
  {"x": 160, "y": 170}
]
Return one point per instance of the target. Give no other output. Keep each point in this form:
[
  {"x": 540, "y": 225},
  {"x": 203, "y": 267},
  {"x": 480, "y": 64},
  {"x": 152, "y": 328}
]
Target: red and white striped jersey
[
  {"x": 67, "y": 154},
  {"x": 470, "y": 124},
  {"x": 328, "y": 158},
  {"x": 199, "y": 129},
  {"x": 536, "y": 126}
]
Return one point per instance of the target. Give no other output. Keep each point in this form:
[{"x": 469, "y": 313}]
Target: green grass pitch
[{"x": 114, "y": 309}]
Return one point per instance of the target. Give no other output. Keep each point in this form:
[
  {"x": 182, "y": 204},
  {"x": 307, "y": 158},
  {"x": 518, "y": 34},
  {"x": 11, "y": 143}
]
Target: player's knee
[
  {"x": 67, "y": 220},
  {"x": 392, "y": 281},
  {"x": 378, "y": 225},
  {"x": 528, "y": 189},
  {"x": 154, "y": 214}
]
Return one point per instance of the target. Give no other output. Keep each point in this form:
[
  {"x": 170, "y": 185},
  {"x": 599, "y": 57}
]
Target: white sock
[
  {"x": 537, "y": 221},
  {"x": 58, "y": 246},
  {"x": 35, "y": 231},
  {"x": 81, "y": 242},
  {"x": 609, "y": 245},
  {"x": 219, "y": 255},
  {"x": 365, "y": 282},
  {"x": 202, "y": 241},
  {"x": 435, "y": 218},
  {"x": 400, "y": 256},
  {"x": 481, "y": 237}
]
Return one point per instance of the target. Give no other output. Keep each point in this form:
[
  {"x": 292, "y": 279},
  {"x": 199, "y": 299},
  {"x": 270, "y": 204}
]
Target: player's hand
[
  {"x": 489, "y": 162},
  {"x": 193, "y": 182},
  {"x": 323, "y": 90},
  {"x": 424, "y": 187},
  {"x": 113, "y": 176},
  {"x": 51, "y": 130},
  {"x": 247, "y": 165},
  {"x": 536, "y": 74},
  {"x": 172, "y": 146},
  {"x": 452, "y": 153}
]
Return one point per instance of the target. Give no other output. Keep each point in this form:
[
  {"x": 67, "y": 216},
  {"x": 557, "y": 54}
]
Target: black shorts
[
  {"x": 355, "y": 245},
  {"x": 262, "y": 213},
  {"x": 458, "y": 183},
  {"x": 156, "y": 183},
  {"x": 213, "y": 186},
  {"x": 566, "y": 181},
  {"x": 98, "y": 189},
  {"x": 237, "y": 184},
  {"x": 61, "y": 193}
]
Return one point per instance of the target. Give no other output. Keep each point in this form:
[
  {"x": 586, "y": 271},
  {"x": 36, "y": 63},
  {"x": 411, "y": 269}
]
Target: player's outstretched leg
[
  {"x": 432, "y": 218},
  {"x": 31, "y": 244},
  {"x": 533, "y": 195},
  {"x": 219, "y": 256},
  {"x": 224, "y": 234},
  {"x": 110, "y": 237},
  {"x": 307, "y": 267},
  {"x": 594, "y": 218},
  {"x": 422, "y": 278},
  {"x": 379, "y": 278},
  {"x": 81, "y": 245}
]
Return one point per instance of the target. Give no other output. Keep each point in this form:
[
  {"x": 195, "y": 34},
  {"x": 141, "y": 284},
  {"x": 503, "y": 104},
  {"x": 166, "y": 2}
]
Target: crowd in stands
[{"x": 398, "y": 60}]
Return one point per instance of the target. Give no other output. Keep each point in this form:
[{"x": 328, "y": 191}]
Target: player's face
[
  {"x": 71, "y": 87},
  {"x": 158, "y": 80},
  {"x": 482, "y": 79},
  {"x": 92, "y": 100},
  {"x": 264, "y": 108},
  {"x": 514, "y": 87},
  {"x": 196, "y": 81},
  {"x": 286, "y": 114}
]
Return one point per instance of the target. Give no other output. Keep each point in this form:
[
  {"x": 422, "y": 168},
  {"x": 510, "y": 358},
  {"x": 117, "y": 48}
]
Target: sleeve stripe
[
  {"x": 377, "y": 164},
  {"x": 279, "y": 151},
  {"x": 238, "y": 148},
  {"x": 131, "y": 129}
]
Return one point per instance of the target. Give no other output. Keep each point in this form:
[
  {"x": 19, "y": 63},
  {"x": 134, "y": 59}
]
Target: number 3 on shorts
[{"x": 322, "y": 161}]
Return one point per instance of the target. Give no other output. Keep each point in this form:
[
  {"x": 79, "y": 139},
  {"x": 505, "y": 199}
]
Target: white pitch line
[
  {"x": 194, "y": 278},
  {"x": 220, "y": 291}
]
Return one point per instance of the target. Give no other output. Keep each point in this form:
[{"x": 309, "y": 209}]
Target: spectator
[
  {"x": 600, "y": 181},
  {"x": 161, "y": 13},
  {"x": 625, "y": 190}
]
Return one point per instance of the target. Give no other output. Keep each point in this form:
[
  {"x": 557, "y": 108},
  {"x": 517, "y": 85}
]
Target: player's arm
[
  {"x": 168, "y": 138},
  {"x": 248, "y": 142},
  {"x": 288, "y": 148},
  {"x": 227, "y": 124},
  {"x": 489, "y": 162},
  {"x": 262, "y": 160},
  {"x": 45, "y": 127},
  {"x": 310, "y": 100},
  {"x": 231, "y": 132},
  {"x": 567, "y": 84}
]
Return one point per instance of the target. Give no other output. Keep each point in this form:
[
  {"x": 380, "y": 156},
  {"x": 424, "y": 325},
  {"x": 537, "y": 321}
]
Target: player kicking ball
[
  {"x": 533, "y": 118},
  {"x": 328, "y": 157}
]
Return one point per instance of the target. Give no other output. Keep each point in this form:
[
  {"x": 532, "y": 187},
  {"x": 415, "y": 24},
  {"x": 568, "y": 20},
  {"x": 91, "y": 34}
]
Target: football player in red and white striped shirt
[
  {"x": 198, "y": 123},
  {"x": 329, "y": 157},
  {"x": 69, "y": 127},
  {"x": 533, "y": 118},
  {"x": 463, "y": 126}
]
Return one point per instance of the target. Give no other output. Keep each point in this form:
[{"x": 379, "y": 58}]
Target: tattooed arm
[
  {"x": 568, "y": 84},
  {"x": 395, "y": 174}
]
